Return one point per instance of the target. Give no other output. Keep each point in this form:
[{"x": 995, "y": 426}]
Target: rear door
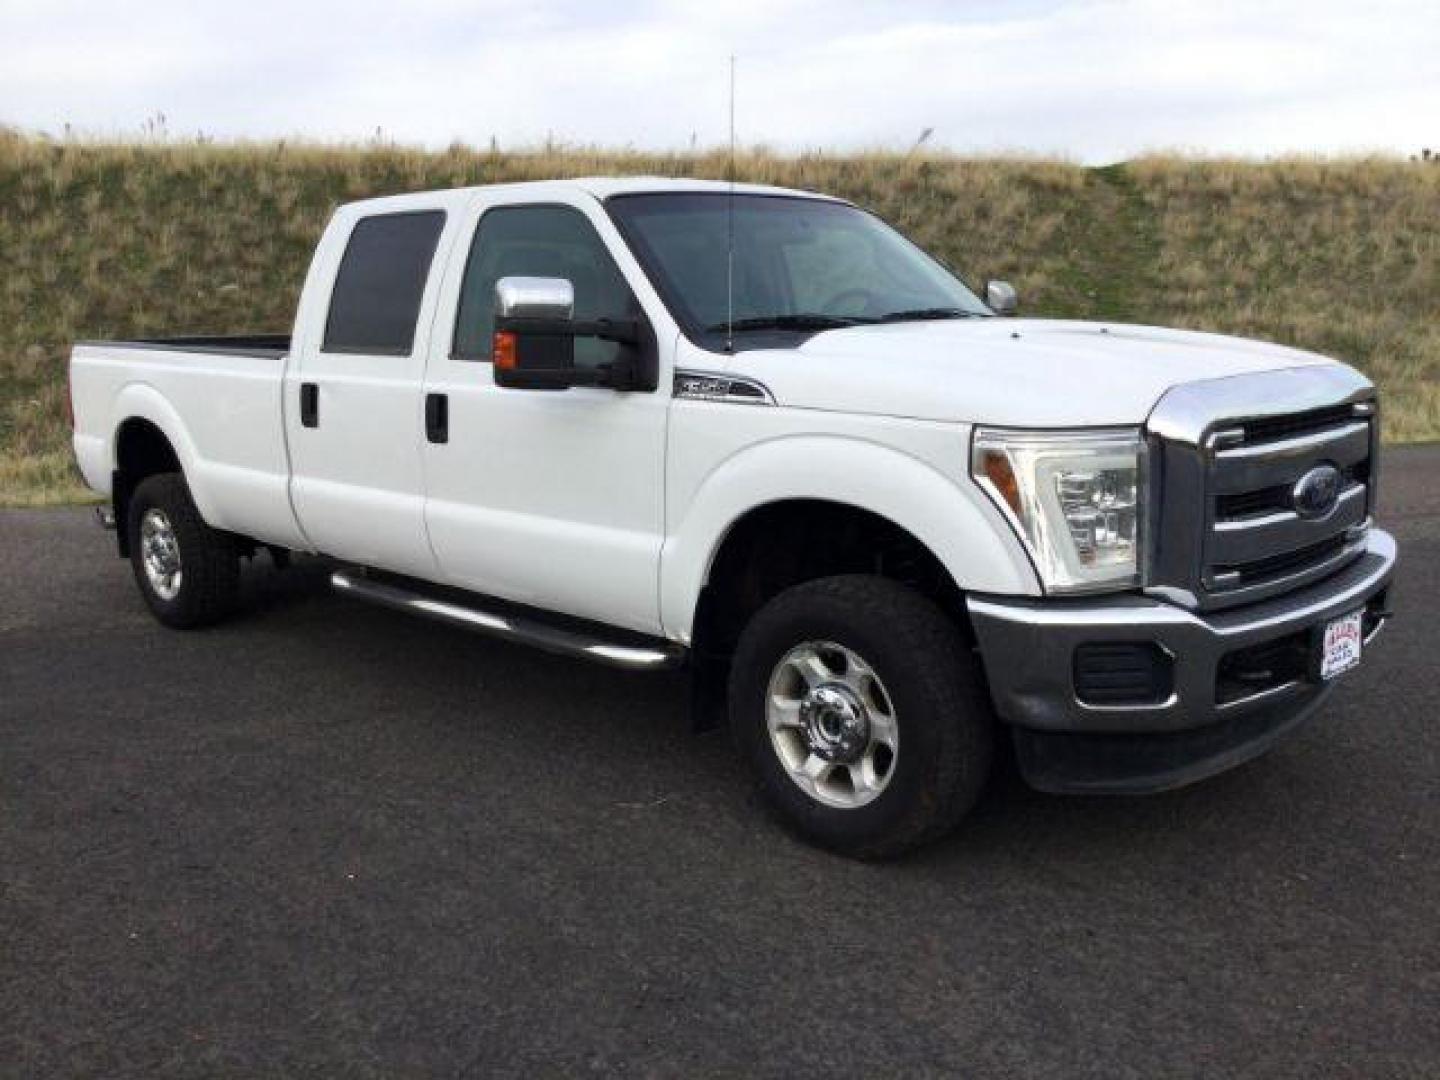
[
  {"x": 549, "y": 498},
  {"x": 353, "y": 396}
]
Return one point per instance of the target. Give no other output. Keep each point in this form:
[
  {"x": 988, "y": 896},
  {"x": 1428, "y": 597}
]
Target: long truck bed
[{"x": 231, "y": 441}]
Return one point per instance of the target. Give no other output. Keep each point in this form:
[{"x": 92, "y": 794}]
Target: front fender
[{"x": 953, "y": 519}]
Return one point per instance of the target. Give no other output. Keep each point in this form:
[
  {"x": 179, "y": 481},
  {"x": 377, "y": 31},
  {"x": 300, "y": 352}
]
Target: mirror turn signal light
[{"x": 503, "y": 351}]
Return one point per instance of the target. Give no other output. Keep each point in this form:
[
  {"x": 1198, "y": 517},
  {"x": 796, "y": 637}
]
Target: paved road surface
[{"x": 327, "y": 838}]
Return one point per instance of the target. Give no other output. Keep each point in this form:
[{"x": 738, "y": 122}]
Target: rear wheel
[
  {"x": 859, "y": 706},
  {"x": 188, "y": 573}
]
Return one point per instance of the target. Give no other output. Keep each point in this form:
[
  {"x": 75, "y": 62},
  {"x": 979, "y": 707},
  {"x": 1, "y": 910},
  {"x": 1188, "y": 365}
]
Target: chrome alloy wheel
[
  {"x": 832, "y": 724},
  {"x": 160, "y": 550}
]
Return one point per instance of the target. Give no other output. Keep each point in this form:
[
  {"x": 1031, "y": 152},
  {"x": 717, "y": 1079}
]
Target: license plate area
[{"x": 1339, "y": 643}]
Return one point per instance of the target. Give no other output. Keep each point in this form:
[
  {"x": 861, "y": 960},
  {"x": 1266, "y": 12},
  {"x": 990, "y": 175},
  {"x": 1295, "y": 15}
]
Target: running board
[{"x": 527, "y": 630}]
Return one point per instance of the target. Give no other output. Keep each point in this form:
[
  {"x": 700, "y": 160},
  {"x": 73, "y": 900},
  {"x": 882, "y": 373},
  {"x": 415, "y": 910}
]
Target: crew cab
[{"x": 759, "y": 434}]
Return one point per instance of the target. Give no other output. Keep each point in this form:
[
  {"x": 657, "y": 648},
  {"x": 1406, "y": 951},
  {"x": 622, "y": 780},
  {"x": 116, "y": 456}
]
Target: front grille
[
  {"x": 1257, "y": 541},
  {"x": 1228, "y": 529}
]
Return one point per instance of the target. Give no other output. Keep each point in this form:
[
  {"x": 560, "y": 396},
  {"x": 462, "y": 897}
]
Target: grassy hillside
[{"x": 122, "y": 240}]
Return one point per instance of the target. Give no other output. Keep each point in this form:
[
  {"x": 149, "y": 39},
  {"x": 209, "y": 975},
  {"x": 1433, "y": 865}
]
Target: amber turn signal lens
[
  {"x": 997, "y": 470},
  {"x": 503, "y": 353}
]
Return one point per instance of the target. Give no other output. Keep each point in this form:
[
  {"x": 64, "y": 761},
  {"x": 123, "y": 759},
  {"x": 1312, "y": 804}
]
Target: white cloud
[{"x": 1094, "y": 79}]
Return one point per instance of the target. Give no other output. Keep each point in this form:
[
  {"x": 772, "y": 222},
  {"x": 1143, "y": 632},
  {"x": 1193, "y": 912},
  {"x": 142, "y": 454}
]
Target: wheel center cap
[
  {"x": 162, "y": 553},
  {"x": 836, "y": 725}
]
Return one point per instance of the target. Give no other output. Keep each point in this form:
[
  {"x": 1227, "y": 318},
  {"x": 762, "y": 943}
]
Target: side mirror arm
[{"x": 624, "y": 331}]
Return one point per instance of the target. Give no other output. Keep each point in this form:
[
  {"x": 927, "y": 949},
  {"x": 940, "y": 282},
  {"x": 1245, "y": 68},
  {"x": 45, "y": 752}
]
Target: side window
[
  {"x": 376, "y": 299},
  {"x": 540, "y": 241}
]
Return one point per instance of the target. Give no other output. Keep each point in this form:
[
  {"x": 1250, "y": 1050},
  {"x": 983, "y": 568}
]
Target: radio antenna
[{"x": 730, "y": 227}]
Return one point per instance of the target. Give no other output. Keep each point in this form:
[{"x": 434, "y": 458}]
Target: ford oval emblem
[{"x": 1316, "y": 493}]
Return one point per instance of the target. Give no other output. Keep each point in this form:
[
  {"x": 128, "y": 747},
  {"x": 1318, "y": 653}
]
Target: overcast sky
[{"x": 1094, "y": 80}]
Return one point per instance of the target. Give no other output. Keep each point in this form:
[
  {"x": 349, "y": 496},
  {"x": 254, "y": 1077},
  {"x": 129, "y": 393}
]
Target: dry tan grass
[
  {"x": 1338, "y": 256},
  {"x": 117, "y": 240}
]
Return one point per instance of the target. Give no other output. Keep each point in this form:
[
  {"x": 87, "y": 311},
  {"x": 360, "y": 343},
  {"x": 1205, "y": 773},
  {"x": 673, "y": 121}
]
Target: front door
[{"x": 548, "y": 498}]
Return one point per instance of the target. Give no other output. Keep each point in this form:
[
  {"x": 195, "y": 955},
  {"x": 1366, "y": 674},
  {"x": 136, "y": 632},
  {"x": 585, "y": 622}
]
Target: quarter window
[{"x": 376, "y": 299}]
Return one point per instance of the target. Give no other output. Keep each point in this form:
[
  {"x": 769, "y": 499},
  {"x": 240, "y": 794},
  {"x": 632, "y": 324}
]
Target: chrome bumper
[{"x": 1029, "y": 648}]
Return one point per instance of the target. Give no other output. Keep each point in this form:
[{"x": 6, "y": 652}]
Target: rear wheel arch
[{"x": 142, "y": 450}]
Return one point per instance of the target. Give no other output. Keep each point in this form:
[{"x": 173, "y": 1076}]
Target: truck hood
[{"x": 1018, "y": 372}]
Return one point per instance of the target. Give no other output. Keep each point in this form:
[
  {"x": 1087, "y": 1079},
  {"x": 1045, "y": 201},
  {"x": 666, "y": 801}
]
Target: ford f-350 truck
[{"x": 758, "y": 433}]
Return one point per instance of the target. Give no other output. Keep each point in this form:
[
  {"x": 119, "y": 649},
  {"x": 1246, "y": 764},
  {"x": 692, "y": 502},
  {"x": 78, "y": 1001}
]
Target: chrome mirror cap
[
  {"x": 534, "y": 298},
  {"x": 1001, "y": 297}
]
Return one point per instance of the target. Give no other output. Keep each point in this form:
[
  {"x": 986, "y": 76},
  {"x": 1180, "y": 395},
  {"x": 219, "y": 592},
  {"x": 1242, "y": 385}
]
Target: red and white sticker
[{"x": 1341, "y": 650}]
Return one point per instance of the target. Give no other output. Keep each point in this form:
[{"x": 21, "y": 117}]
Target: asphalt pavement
[{"x": 327, "y": 839}]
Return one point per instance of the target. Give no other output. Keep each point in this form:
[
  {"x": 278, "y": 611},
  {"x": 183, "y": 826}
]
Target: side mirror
[
  {"x": 535, "y": 332},
  {"x": 1001, "y": 297},
  {"x": 534, "y": 346}
]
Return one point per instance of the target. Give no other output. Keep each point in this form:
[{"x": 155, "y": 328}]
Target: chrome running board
[{"x": 527, "y": 630}]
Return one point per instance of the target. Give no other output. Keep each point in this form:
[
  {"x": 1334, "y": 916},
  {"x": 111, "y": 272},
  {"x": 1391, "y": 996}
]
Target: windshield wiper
[
  {"x": 801, "y": 321},
  {"x": 918, "y": 314}
]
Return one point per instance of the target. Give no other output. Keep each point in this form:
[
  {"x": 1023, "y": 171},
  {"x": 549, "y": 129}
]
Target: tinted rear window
[{"x": 382, "y": 278}]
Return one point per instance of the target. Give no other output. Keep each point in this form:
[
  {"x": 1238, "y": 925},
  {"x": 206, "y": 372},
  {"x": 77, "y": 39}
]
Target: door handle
[
  {"x": 309, "y": 405},
  {"x": 437, "y": 418}
]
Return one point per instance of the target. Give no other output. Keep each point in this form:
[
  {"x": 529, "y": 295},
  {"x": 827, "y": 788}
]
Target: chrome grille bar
[
  {"x": 1248, "y": 468},
  {"x": 1248, "y": 540}
]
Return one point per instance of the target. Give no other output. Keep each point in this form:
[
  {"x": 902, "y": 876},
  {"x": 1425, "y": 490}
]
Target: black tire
[
  {"x": 940, "y": 707},
  {"x": 209, "y": 582}
]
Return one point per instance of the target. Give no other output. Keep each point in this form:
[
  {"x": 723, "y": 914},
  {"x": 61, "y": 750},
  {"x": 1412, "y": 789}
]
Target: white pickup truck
[{"x": 758, "y": 433}]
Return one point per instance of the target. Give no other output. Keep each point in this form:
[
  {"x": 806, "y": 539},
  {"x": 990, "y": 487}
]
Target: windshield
[{"x": 800, "y": 265}]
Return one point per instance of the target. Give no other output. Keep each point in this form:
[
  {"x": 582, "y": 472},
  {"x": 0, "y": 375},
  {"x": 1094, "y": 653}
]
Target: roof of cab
[{"x": 600, "y": 187}]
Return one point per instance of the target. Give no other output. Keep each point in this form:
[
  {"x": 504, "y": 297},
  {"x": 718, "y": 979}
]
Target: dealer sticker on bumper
[{"x": 1341, "y": 648}]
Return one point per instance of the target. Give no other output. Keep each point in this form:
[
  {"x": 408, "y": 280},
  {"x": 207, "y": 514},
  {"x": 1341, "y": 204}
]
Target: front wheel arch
[
  {"x": 946, "y": 513},
  {"x": 786, "y": 543}
]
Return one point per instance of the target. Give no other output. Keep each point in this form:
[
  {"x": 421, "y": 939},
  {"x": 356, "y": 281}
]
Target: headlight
[{"x": 1077, "y": 499}]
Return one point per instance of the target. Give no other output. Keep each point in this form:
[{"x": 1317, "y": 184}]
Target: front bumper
[{"x": 1213, "y": 712}]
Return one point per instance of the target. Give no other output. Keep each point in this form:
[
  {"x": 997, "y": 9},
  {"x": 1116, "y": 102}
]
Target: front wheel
[
  {"x": 188, "y": 573},
  {"x": 861, "y": 710}
]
